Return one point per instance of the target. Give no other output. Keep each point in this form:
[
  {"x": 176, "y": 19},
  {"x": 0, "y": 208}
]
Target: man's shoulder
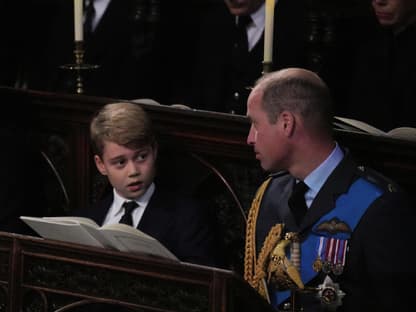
[
  {"x": 351, "y": 170},
  {"x": 377, "y": 179},
  {"x": 276, "y": 182},
  {"x": 279, "y": 178}
]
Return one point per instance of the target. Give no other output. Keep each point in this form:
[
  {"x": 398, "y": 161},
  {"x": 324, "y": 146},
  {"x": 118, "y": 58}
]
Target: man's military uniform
[{"x": 352, "y": 251}]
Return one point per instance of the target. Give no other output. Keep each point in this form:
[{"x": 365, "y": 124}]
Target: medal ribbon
[{"x": 349, "y": 208}]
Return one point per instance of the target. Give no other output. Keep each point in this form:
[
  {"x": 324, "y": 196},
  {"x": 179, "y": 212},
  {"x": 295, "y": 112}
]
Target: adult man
[
  {"x": 230, "y": 52},
  {"x": 354, "y": 231}
]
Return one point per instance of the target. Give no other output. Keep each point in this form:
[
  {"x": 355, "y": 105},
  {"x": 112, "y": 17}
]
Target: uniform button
[{"x": 236, "y": 95}]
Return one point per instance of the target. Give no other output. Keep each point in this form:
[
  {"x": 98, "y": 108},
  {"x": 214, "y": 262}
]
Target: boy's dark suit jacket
[
  {"x": 379, "y": 261},
  {"x": 181, "y": 224}
]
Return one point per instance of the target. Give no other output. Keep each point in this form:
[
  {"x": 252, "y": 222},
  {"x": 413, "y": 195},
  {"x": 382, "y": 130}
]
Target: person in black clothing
[
  {"x": 382, "y": 91},
  {"x": 131, "y": 41},
  {"x": 121, "y": 43},
  {"x": 350, "y": 229},
  {"x": 227, "y": 64},
  {"x": 125, "y": 151}
]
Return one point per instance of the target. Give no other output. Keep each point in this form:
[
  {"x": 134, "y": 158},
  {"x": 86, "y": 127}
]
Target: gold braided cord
[
  {"x": 250, "y": 243},
  {"x": 260, "y": 271},
  {"x": 272, "y": 264}
]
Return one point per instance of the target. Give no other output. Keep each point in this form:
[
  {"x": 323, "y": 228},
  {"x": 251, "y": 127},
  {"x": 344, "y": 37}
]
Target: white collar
[{"x": 142, "y": 201}]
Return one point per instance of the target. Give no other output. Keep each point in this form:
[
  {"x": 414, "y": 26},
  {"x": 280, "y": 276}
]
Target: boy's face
[{"x": 130, "y": 171}]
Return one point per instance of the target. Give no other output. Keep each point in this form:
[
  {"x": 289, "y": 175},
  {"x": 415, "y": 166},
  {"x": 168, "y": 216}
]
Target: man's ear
[
  {"x": 100, "y": 165},
  {"x": 288, "y": 122}
]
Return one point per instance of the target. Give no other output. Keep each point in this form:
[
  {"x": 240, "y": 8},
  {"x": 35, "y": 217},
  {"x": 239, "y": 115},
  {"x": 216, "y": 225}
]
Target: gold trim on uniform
[{"x": 272, "y": 262}]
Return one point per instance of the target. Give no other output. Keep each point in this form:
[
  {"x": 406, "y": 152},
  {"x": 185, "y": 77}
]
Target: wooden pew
[
  {"x": 204, "y": 152},
  {"x": 46, "y": 275}
]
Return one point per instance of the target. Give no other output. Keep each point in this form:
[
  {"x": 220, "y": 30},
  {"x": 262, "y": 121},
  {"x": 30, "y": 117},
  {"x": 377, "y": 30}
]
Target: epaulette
[
  {"x": 378, "y": 179},
  {"x": 277, "y": 174}
]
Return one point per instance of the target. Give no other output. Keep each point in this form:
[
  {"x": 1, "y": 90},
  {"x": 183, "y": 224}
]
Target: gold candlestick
[
  {"x": 267, "y": 67},
  {"x": 79, "y": 66}
]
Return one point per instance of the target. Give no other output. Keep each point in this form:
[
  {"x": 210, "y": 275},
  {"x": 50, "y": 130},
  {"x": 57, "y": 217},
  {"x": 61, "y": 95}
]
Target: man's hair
[
  {"x": 299, "y": 94},
  {"x": 123, "y": 123}
]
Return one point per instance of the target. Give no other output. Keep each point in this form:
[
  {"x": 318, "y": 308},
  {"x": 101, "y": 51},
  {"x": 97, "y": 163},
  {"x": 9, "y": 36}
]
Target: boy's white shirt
[{"x": 116, "y": 210}]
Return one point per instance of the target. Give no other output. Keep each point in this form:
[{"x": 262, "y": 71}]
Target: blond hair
[{"x": 123, "y": 123}]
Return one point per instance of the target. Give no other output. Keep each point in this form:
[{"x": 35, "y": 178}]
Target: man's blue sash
[{"x": 349, "y": 208}]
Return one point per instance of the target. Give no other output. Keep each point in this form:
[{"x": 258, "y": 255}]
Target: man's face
[
  {"x": 394, "y": 13},
  {"x": 243, "y": 7},
  {"x": 268, "y": 139},
  {"x": 130, "y": 171}
]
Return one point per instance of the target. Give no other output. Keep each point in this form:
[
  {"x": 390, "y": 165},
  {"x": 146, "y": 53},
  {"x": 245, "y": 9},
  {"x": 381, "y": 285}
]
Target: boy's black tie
[
  {"x": 127, "y": 218},
  {"x": 297, "y": 203}
]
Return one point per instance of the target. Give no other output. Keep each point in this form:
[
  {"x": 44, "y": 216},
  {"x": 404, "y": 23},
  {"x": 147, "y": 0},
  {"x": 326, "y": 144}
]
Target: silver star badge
[{"x": 330, "y": 294}]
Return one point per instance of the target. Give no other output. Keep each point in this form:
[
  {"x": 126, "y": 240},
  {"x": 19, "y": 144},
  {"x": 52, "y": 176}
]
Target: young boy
[{"x": 125, "y": 150}]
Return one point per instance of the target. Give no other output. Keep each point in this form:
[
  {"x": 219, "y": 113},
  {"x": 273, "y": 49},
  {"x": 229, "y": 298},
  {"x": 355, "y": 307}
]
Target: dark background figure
[
  {"x": 121, "y": 44},
  {"x": 336, "y": 33},
  {"x": 221, "y": 79},
  {"x": 132, "y": 41},
  {"x": 182, "y": 52},
  {"x": 382, "y": 90}
]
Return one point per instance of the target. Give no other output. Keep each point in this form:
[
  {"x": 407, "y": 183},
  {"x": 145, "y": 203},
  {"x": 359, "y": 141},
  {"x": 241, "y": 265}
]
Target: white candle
[
  {"x": 78, "y": 25},
  {"x": 268, "y": 31}
]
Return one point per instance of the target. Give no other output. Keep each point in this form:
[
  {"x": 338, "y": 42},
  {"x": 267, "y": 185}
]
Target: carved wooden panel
[{"x": 56, "y": 276}]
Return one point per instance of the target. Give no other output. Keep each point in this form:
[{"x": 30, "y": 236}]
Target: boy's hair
[{"x": 123, "y": 123}]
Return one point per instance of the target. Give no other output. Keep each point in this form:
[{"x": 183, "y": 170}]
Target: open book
[
  {"x": 405, "y": 133},
  {"x": 85, "y": 231}
]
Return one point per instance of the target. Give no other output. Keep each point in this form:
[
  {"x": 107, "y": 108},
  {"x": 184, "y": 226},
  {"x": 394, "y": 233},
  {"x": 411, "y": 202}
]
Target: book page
[
  {"x": 128, "y": 239},
  {"x": 359, "y": 126},
  {"x": 405, "y": 133},
  {"x": 125, "y": 228},
  {"x": 72, "y": 220},
  {"x": 65, "y": 230}
]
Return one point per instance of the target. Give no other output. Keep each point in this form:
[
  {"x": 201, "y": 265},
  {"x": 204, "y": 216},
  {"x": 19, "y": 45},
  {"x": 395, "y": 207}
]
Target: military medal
[
  {"x": 327, "y": 257},
  {"x": 317, "y": 264},
  {"x": 337, "y": 269},
  {"x": 340, "y": 257},
  {"x": 331, "y": 256},
  {"x": 327, "y": 267},
  {"x": 330, "y": 294},
  {"x": 335, "y": 255}
]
